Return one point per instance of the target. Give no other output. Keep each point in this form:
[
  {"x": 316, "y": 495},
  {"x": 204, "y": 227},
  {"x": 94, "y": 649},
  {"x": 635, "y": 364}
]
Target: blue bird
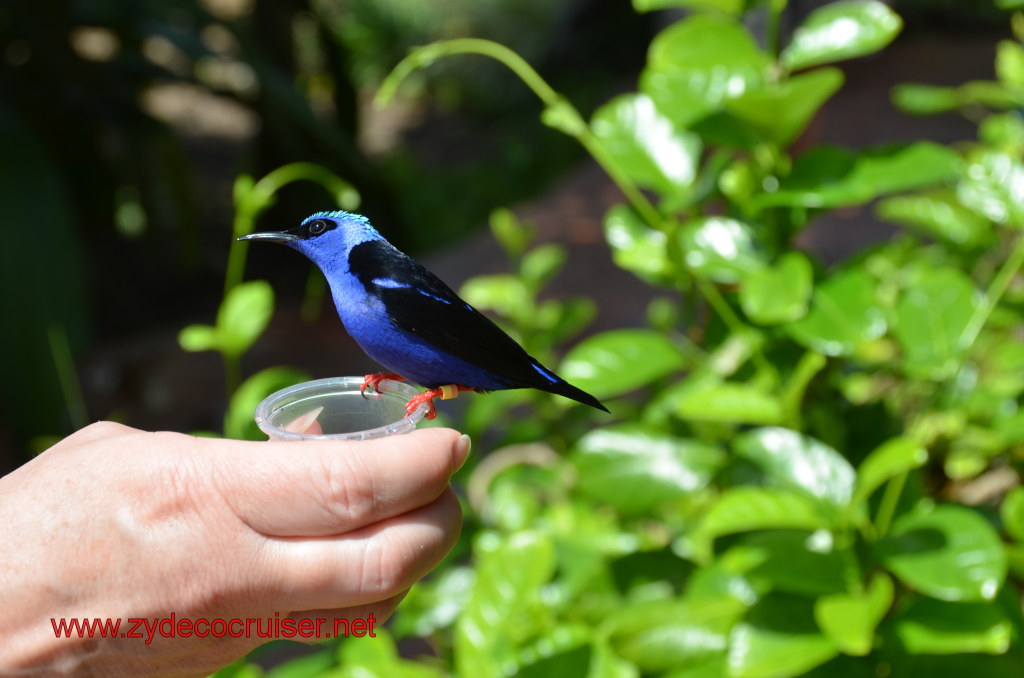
[{"x": 410, "y": 322}]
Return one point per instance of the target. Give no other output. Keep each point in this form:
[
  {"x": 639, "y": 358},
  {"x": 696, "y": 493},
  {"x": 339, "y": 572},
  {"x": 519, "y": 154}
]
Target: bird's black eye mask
[{"x": 312, "y": 229}]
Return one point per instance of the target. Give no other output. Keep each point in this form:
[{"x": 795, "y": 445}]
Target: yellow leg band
[{"x": 449, "y": 391}]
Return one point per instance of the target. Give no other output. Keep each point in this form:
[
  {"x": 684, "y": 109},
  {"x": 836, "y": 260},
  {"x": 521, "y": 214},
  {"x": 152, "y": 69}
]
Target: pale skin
[{"x": 121, "y": 523}]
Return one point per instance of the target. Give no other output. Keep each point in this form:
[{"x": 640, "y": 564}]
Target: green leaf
[
  {"x": 720, "y": 248},
  {"x": 936, "y": 627},
  {"x": 841, "y": 30},
  {"x": 697, "y": 64},
  {"x": 646, "y": 145},
  {"x": 849, "y": 619},
  {"x": 933, "y": 342},
  {"x": 635, "y": 469},
  {"x": 1004, "y": 132},
  {"x": 243, "y": 315},
  {"x": 541, "y": 264},
  {"x": 799, "y": 462},
  {"x": 512, "y": 235},
  {"x": 664, "y": 634},
  {"x": 1012, "y": 513},
  {"x": 636, "y": 247},
  {"x": 828, "y": 176},
  {"x": 993, "y": 186},
  {"x": 620, "y": 361},
  {"x": 844, "y": 315},
  {"x": 779, "y": 293},
  {"x": 731, "y": 7},
  {"x": 434, "y": 604},
  {"x": 791, "y": 561},
  {"x": 950, "y": 553},
  {"x": 743, "y": 509},
  {"x": 781, "y": 111},
  {"x": 778, "y": 637},
  {"x": 892, "y": 458},
  {"x": 710, "y": 399},
  {"x": 918, "y": 99},
  {"x": 1010, "y": 63},
  {"x": 238, "y": 422},
  {"x": 504, "y": 605},
  {"x": 503, "y": 294},
  {"x": 198, "y": 338},
  {"x": 938, "y": 214}
]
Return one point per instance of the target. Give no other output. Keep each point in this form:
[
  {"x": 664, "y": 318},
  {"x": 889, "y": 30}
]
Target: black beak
[{"x": 271, "y": 236}]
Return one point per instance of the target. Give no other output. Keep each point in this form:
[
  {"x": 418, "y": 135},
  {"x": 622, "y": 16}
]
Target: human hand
[{"x": 113, "y": 522}]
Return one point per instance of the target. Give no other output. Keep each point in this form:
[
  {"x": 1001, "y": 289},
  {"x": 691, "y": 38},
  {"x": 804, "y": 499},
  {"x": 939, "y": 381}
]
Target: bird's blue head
[{"x": 325, "y": 237}]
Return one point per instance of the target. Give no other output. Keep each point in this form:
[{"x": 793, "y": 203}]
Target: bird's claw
[
  {"x": 372, "y": 381},
  {"x": 446, "y": 392}
]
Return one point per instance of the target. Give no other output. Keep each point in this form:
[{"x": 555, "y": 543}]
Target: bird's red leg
[
  {"x": 372, "y": 381},
  {"x": 446, "y": 392}
]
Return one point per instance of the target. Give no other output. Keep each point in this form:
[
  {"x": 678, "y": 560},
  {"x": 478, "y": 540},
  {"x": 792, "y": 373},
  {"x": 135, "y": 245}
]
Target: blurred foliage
[
  {"x": 126, "y": 120},
  {"x": 810, "y": 471}
]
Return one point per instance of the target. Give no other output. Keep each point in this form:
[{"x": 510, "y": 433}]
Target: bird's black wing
[{"x": 420, "y": 303}]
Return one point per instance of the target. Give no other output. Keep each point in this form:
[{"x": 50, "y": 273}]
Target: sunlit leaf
[
  {"x": 634, "y": 469},
  {"x": 733, "y": 7},
  {"x": 778, "y": 637},
  {"x": 720, "y": 249},
  {"x": 243, "y": 315},
  {"x": 893, "y": 457},
  {"x": 665, "y": 634},
  {"x": 938, "y": 214},
  {"x": 925, "y": 99},
  {"x": 198, "y": 338},
  {"x": 950, "y": 552},
  {"x": 993, "y": 186},
  {"x": 841, "y": 30},
  {"x": 619, "y": 361},
  {"x": 636, "y": 247},
  {"x": 780, "y": 292},
  {"x": 849, "y": 619},
  {"x": 646, "y": 144},
  {"x": 1012, "y": 513},
  {"x": 799, "y": 462},
  {"x": 1010, "y": 63},
  {"x": 844, "y": 314},
  {"x": 726, "y": 401},
  {"x": 698, "y": 63}
]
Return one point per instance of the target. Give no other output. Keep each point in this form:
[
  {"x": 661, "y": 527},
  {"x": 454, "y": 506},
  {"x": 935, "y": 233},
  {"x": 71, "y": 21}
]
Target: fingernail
[{"x": 462, "y": 447}]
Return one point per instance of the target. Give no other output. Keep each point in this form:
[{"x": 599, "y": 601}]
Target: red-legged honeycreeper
[{"x": 409, "y": 321}]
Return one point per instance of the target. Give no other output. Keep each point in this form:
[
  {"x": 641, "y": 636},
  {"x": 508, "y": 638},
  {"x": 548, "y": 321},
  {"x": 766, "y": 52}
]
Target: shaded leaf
[
  {"x": 936, "y": 627},
  {"x": 919, "y": 99},
  {"x": 792, "y": 561},
  {"x": 950, "y": 553},
  {"x": 778, "y": 637},
  {"x": 1012, "y": 513},
  {"x": 844, "y": 314},
  {"x": 932, "y": 340},
  {"x": 634, "y": 469},
  {"x": 778, "y": 293},
  {"x": 710, "y": 399},
  {"x": 781, "y": 111},
  {"x": 841, "y": 30}
]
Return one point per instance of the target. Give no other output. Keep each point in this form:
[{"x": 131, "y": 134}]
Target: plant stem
[
  {"x": 64, "y": 364},
  {"x": 996, "y": 289},
  {"x": 887, "y": 507}
]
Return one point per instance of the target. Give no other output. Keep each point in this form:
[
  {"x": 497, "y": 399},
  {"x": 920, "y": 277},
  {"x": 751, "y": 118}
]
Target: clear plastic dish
[{"x": 334, "y": 409}]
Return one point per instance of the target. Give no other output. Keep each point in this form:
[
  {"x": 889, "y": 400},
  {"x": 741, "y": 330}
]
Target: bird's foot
[
  {"x": 446, "y": 392},
  {"x": 372, "y": 381}
]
